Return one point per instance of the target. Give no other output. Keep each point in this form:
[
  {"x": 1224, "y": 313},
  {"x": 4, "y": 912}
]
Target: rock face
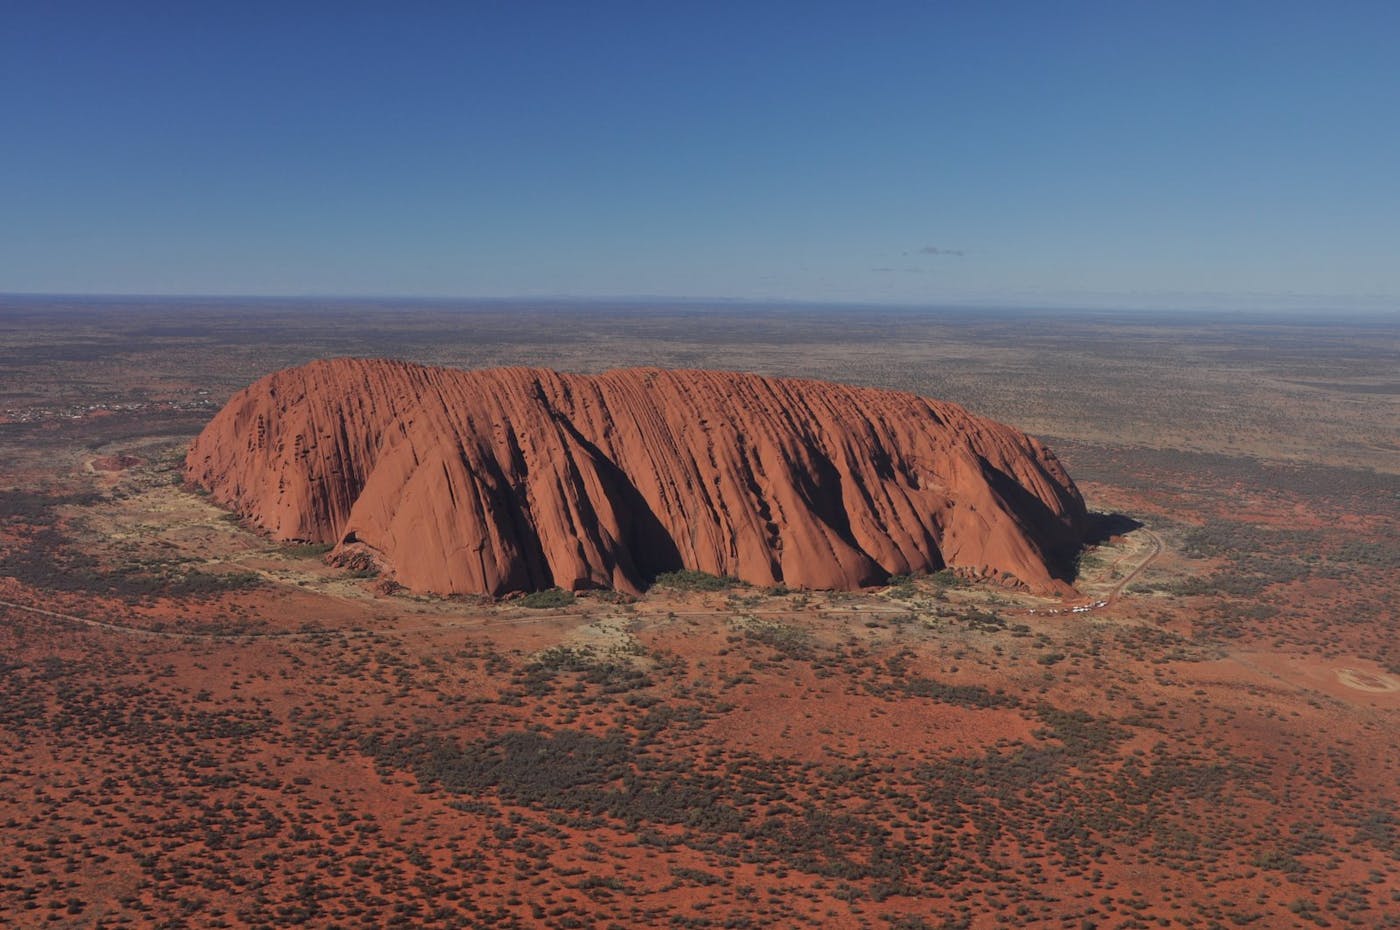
[{"x": 517, "y": 479}]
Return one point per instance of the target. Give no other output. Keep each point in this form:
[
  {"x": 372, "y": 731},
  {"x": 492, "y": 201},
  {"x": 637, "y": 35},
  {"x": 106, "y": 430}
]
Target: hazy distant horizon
[{"x": 1288, "y": 306}]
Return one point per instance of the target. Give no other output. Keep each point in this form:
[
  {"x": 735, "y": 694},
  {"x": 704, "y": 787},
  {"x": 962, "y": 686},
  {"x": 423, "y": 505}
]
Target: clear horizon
[{"x": 1090, "y": 156}]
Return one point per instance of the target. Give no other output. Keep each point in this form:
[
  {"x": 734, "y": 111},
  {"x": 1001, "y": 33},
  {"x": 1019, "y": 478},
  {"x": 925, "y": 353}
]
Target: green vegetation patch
[
  {"x": 35, "y": 508},
  {"x": 789, "y": 641},
  {"x": 614, "y": 676},
  {"x": 567, "y": 770},
  {"x": 48, "y": 559},
  {"x": 689, "y": 580},
  {"x": 901, "y": 587},
  {"x": 947, "y": 578},
  {"x": 547, "y": 599},
  {"x": 973, "y": 696}
]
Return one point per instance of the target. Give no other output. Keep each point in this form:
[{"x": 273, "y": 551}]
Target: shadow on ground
[{"x": 1104, "y": 526}]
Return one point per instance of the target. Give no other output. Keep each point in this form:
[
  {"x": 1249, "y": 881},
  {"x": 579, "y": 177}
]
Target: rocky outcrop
[{"x": 517, "y": 479}]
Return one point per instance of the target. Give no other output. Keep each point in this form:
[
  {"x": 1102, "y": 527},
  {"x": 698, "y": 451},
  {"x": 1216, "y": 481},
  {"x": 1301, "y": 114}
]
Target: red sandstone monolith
[{"x": 516, "y": 479}]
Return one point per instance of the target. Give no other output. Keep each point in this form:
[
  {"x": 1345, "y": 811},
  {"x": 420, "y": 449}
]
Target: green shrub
[
  {"x": 689, "y": 580},
  {"x": 945, "y": 578},
  {"x": 901, "y": 586},
  {"x": 553, "y": 597}
]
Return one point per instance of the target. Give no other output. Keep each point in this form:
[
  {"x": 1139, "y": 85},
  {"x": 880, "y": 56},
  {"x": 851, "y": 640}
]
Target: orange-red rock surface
[{"x": 518, "y": 479}]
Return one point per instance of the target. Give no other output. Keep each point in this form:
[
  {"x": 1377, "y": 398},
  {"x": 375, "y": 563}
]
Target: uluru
[{"x": 517, "y": 479}]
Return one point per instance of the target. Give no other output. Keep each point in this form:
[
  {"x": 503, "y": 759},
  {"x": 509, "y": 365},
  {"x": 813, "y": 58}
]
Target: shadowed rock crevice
[
  {"x": 508, "y": 479},
  {"x": 647, "y": 549},
  {"x": 1059, "y": 544}
]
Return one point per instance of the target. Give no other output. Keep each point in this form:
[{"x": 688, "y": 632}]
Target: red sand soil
[
  {"x": 694, "y": 760},
  {"x": 1214, "y": 749}
]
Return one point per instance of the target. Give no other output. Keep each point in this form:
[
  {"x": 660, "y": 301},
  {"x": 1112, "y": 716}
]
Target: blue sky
[{"x": 1034, "y": 153}]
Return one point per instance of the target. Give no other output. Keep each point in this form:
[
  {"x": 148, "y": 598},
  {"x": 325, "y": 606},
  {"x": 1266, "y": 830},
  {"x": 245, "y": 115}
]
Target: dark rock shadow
[
  {"x": 1101, "y": 527},
  {"x": 647, "y": 549},
  {"x": 1059, "y": 544}
]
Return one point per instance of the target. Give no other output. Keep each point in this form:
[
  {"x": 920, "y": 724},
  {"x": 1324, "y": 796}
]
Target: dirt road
[{"x": 1132, "y": 576}]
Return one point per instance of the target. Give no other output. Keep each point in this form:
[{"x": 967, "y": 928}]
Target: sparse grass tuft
[{"x": 307, "y": 550}]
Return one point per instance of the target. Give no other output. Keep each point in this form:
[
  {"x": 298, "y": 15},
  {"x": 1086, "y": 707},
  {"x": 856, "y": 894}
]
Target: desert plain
[{"x": 203, "y": 727}]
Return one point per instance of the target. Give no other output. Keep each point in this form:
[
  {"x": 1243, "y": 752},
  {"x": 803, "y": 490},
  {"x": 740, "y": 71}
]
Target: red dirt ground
[
  {"x": 931, "y": 757},
  {"x": 205, "y": 729}
]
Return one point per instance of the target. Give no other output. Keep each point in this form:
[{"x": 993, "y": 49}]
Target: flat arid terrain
[{"x": 203, "y": 727}]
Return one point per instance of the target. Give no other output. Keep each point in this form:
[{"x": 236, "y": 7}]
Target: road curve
[
  {"x": 1116, "y": 593},
  {"x": 1132, "y": 576}
]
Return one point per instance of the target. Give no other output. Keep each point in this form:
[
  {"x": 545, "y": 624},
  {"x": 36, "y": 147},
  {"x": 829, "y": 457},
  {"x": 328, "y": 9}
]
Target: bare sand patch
[{"x": 1373, "y": 682}]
